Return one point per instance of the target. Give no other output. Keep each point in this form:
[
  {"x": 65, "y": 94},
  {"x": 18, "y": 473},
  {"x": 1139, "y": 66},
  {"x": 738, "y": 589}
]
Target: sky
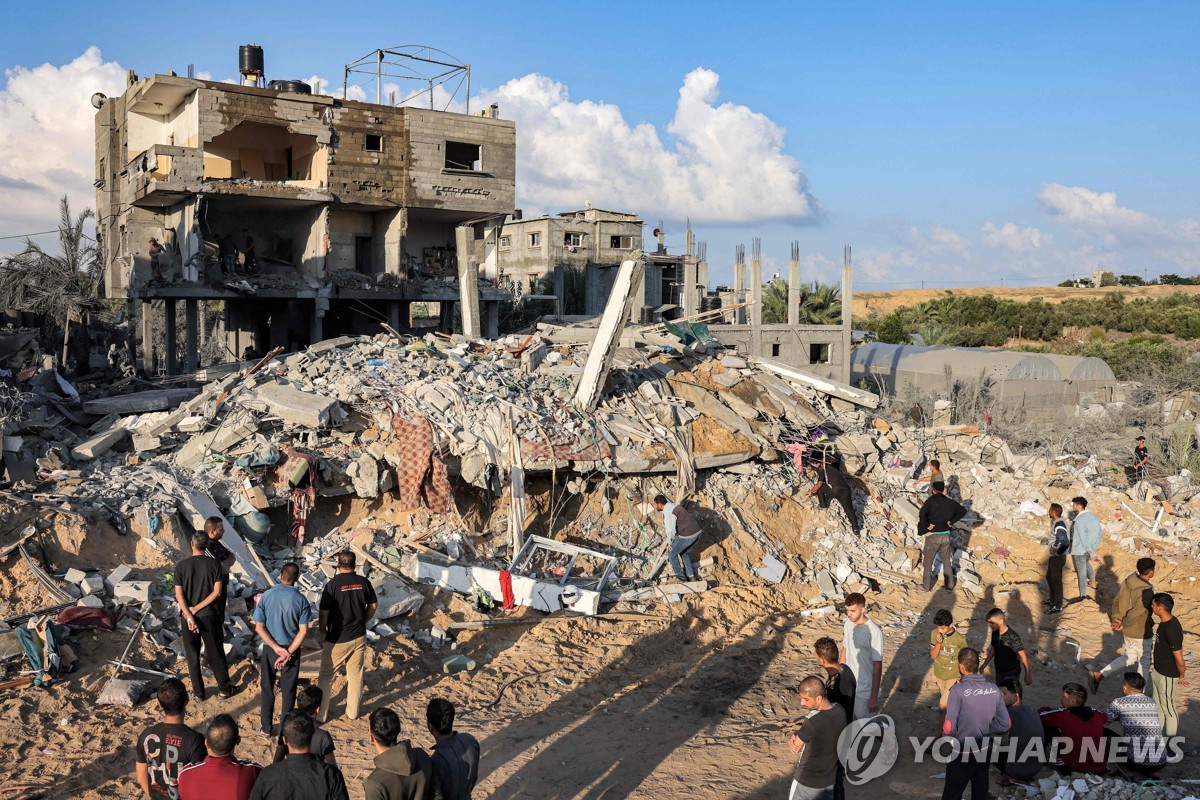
[{"x": 948, "y": 143}]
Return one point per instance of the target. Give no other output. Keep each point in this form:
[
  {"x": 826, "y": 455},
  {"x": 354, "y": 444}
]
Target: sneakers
[
  {"x": 1093, "y": 682},
  {"x": 198, "y": 697},
  {"x": 1054, "y": 609}
]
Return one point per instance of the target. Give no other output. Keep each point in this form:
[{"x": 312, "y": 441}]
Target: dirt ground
[
  {"x": 694, "y": 699},
  {"x": 885, "y": 302}
]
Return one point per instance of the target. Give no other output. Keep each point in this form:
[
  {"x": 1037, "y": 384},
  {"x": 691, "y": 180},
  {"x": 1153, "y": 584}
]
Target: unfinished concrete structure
[{"x": 352, "y": 209}]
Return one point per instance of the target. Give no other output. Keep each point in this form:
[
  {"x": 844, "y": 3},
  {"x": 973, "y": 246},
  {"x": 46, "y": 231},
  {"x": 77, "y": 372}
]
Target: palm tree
[
  {"x": 60, "y": 286},
  {"x": 820, "y": 303}
]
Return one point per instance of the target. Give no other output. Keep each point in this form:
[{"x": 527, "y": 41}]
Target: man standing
[
  {"x": 455, "y": 755},
  {"x": 1060, "y": 545},
  {"x": 1168, "y": 667},
  {"x": 840, "y": 686},
  {"x": 1141, "y": 462},
  {"x": 682, "y": 532},
  {"x": 862, "y": 651},
  {"x": 974, "y": 711},
  {"x": 1019, "y": 758},
  {"x": 228, "y": 249},
  {"x": 1008, "y": 650},
  {"x": 832, "y": 485},
  {"x": 198, "y": 589},
  {"x": 1140, "y": 726},
  {"x": 1132, "y": 619},
  {"x": 938, "y": 515},
  {"x": 1086, "y": 536},
  {"x": 215, "y": 528},
  {"x": 156, "y": 253},
  {"x": 221, "y": 775},
  {"x": 166, "y": 746},
  {"x": 281, "y": 620},
  {"x": 402, "y": 772},
  {"x": 945, "y": 642},
  {"x": 300, "y": 776},
  {"x": 816, "y": 743},
  {"x": 346, "y": 604}
]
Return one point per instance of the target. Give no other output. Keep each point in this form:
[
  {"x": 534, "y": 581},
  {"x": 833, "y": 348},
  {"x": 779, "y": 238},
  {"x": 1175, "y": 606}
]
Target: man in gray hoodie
[
  {"x": 402, "y": 772},
  {"x": 1085, "y": 542}
]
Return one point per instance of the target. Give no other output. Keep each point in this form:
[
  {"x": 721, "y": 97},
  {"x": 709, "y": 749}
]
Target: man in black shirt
[
  {"x": 167, "y": 746},
  {"x": 833, "y": 485},
  {"x": 455, "y": 755},
  {"x": 1141, "y": 461},
  {"x": 302, "y": 775},
  {"x": 198, "y": 588},
  {"x": 1168, "y": 670},
  {"x": 816, "y": 742},
  {"x": 937, "y": 516},
  {"x": 1007, "y": 649},
  {"x": 840, "y": 686},
  {"x": 346, "y": 604},
  {"x": 215, "y": 528}
]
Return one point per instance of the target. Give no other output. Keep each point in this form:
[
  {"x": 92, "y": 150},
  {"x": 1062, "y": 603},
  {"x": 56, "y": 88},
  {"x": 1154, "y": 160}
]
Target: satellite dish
[
  {"x": 99, "y": 99},
  {"x": 657, "y": 232}
]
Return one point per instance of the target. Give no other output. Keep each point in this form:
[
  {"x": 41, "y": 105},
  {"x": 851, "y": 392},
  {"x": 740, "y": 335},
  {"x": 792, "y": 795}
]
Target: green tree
[
  {"x": 1131, "y": 280},
  {"x": 891, "y": 329},
  {"x": 1108, "y": 278},
  {"x": 820, "y": 303}
]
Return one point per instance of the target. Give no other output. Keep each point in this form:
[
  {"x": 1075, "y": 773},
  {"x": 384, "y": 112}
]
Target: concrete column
[
  {"x": 468, "y": 281},
  {"x": 130, "y": 342},
  {"x": 393, "y": 314},
  {"x": 149, "y": 362},
  {"x": 191, "y": 339},
  {"x": 739, "y": 289},
  {"x": 559, "y": 279},
  {"x": 172, "y": 339},
  {"x": 756, "y": 340},
  {"x": 637, "y": 309},
  {"x": 491, "y": 319},
  {"x": 279, "y": 325},
  {"x": 690, "y": 296},
  {"x": 794, "y": 286},
  {"x": 316, "y": 325},
  {"x": 446, "y": 317},
  {"x": 233, "y": 332},
  {"x": 847, "y": 306}
]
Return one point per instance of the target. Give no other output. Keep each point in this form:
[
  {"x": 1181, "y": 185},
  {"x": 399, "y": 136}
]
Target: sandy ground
[
  {"x": 691, "y": 700},
  {"x": 866, "y": 303}
]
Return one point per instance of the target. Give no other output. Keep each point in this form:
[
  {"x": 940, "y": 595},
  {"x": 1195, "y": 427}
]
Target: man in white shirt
[{"x": 862, "y": 651}]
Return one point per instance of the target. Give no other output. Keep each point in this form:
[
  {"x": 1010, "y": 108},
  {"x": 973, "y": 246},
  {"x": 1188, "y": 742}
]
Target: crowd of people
[{"x": 175, "y": 761}]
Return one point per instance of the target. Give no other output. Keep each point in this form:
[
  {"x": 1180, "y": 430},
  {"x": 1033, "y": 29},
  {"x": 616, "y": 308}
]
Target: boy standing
[
  {"x": 862, "y": 651},
  {"x": 944, "y": 644}
]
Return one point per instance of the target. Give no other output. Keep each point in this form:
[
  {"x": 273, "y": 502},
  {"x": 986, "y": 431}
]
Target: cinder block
[
  {"x": 74, "y": 575},
  {"x": 132, "y": 591},
  {"x": 92, "y": 584},
  {"x": 118, "y": 575}
]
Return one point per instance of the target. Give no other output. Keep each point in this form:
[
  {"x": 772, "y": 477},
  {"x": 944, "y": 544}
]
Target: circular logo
[{"x": 868, "y": 748}]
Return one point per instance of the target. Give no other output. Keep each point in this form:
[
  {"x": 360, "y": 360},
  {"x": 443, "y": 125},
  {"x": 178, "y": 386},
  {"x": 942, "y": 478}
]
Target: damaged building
[{"x": 342, "y": 213}]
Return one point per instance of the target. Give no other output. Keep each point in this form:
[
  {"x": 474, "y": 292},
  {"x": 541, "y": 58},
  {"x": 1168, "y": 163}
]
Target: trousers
[
  {"x": 1136, "y": 658},
  {"x": 966, "y": 771},
  {"x": 939, "y": 544},
  {"x": 681, "y": 562},
  {"x": 1054, "y": 571},
  {"x": 845, "y": 499},
  {"x": 287, "y": 678},
  {"x": 336, "y": 656},
  {"x": 1164, "y": 698},
  {"x": 1084, "y": 572},
  {"x": 212, "y": 630}
]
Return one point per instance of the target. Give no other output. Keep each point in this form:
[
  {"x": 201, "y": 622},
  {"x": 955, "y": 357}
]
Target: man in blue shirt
[{"x": 281, "y": 619}]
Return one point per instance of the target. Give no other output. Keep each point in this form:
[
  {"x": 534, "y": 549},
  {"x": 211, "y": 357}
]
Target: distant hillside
[{"x": 866, "y": 303}]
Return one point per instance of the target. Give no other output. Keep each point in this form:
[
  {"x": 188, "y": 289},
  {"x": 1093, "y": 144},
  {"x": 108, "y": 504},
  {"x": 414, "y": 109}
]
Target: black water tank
[
  {"x": 250, "y": 59},
  {"x": 298, "y": 87}
]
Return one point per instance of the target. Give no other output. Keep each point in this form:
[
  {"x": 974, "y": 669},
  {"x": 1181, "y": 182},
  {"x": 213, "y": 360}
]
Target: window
[
  {"x": 461, "y": 155},
  {"x": 573, "y": 239},
  {"x": 535, "y": 240},
  {"x": 374, "y": 143},
  {"x": 775, "y": 348},
  {"x": 505, "y": 242},
  {"x": 620, "y": 242},
  {"x": 818, "y": 354}
]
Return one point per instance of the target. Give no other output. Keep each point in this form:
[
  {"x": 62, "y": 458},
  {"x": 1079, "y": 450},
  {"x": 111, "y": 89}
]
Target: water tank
[
  {"x": 298, "y": 87},
  {"x": 250, "y": 60}
]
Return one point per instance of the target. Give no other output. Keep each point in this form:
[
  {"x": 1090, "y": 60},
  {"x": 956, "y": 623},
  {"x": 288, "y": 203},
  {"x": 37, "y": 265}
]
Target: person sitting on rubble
[
  {"x": 1147, "y": 750},
  {"x": 833, "y": 485},
  {"x": 249, "y": 354},
  {"x": 1082, "y": 727},
  {"x": 682, "y": 532}
]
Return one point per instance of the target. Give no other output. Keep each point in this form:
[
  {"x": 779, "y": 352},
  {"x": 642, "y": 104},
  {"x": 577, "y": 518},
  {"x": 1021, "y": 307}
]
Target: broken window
[
  {"x": 573, "y": 239},
  {"x": 535, "y": 240},
  {"x": 374, "y": 143},
  {"x": 776, "y": 347},
  {"x": 505, "y": 242},
  {"x": 263, "y": 152},
  {"x": 462, "y": 155},
  {"x": 818, "y": 354},
  {"x": 621, "y": 242}
]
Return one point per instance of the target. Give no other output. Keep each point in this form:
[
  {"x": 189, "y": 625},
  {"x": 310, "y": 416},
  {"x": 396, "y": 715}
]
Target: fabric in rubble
[{"x": 419, "y": 472}]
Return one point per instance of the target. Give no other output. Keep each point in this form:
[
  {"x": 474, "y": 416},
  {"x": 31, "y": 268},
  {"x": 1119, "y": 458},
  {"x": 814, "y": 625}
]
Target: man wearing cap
[{"x": 1141, "y": 458}]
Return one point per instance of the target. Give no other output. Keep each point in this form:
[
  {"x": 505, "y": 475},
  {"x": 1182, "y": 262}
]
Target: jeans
[
  {"x": 938, "y": 543},
  {"x": 963, "y": 771},
  {"x": 335, "y": 656},
  {"x": 681, "y": 562},
  {"x": 1136, "y": 658},
  {"x": 212, "y": 634},
  {"x": 229, "y": 263},
  {"x": 288, "y": 677},
  {"x": 1164, "y": 698},
  {"x": 1084, "y": 572},
  {"x": 1054, "y": 571}
]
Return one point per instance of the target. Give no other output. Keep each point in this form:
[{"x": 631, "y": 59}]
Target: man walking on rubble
[
  {"x": 1141, "y": 462},
  {"x": 1131, "y": 617},
  {"x": 1086, "y": 536},
  {"x": 347, "y": 603},
  {"x": 832, "y": 485},
  {"x": 198, "y": 591},
  {"x": 938, "y": 515},
  {"x": 682, "y": 532}
]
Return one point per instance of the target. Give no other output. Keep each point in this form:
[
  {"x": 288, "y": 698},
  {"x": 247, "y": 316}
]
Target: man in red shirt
[
  {"x": 221, "y": 775},
  {"x": 1075, "y": 733}
]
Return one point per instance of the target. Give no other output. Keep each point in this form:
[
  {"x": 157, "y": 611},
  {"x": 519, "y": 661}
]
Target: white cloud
[
  {"x": 1013, "y": 237},
  {"x": 47, "y": 132},
  {"x": 725, "y": 165}
]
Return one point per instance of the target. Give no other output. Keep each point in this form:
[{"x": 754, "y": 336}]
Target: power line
[{"x": 27, "y": 235}]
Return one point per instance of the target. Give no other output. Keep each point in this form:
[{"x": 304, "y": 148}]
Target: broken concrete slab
[
  {"x": 132, "y": 591},
  {"x": 612, "y": 324},
  {"x": 297, "y": 407},
  {"x": 139, "y": 402},
  {"x": 99, "y": 444}
]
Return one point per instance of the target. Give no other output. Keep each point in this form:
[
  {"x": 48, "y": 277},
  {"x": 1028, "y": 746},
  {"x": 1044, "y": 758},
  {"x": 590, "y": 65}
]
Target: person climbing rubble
[
  {"x": 833, "y": 485},
  {"x": 937, "y": 517},
  {"x": 682, "y": 531}
]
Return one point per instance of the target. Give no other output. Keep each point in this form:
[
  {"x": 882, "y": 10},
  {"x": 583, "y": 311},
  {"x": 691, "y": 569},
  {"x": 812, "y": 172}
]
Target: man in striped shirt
[{"x": 1138, "y": 715}]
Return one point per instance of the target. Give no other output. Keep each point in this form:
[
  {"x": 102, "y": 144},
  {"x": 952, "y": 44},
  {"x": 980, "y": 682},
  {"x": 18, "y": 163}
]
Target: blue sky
[{"x": 910, "y": 127}]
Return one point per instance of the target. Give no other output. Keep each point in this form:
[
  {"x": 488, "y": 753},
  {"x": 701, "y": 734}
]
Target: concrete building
[
  {"x": 530, "y": 249},
  {"x": 355, "y": 210}
]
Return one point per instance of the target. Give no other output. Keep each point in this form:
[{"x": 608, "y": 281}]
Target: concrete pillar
[
  {"x": 279, "y": 325},
  {"x": 446, "y": 317},
  {"x": 233, "y": 332},
  {"x": 149, "y": 361},
  {"x": 637, "y": 309},
  {"x": 393, "y": 314},
  {"x": 316, "y": 324},
  {"x": 172, "y": 340},
  {"x": 559, "y": 279},
  {"x": 847, "y": 305},
  {"x": 491, "y": 319},
  {"x": 130, "y": 342},
  {"x": 756, "y": 340},
  {"x": 793, "y": 317},
  {"x": 468, "y": 281},
  {"x": 690, "y": 295},
  {"x": 191, "y": 339},
  {"x": 739, "y": 285}
]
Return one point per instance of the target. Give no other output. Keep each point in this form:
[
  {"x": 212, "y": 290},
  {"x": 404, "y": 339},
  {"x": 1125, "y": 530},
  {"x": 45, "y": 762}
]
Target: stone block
[
  {"x": 90, "y": 601},
  {"x": 92, "y": 584},
  {"x": 132, "y": 591},
  {"x": 118, "y": 575},
  {"x": 99, "y": 444},
  {"x": 74, "y": 575}
]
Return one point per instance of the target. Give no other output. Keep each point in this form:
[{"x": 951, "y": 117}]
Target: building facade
[{"x": 530, "y": 249}]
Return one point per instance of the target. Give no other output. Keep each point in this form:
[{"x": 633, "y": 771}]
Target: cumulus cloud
[
  {"x": 1012, "y": 237},
  {"x": 724, "y": 163},
  {"x": 47, "y": 134}
]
